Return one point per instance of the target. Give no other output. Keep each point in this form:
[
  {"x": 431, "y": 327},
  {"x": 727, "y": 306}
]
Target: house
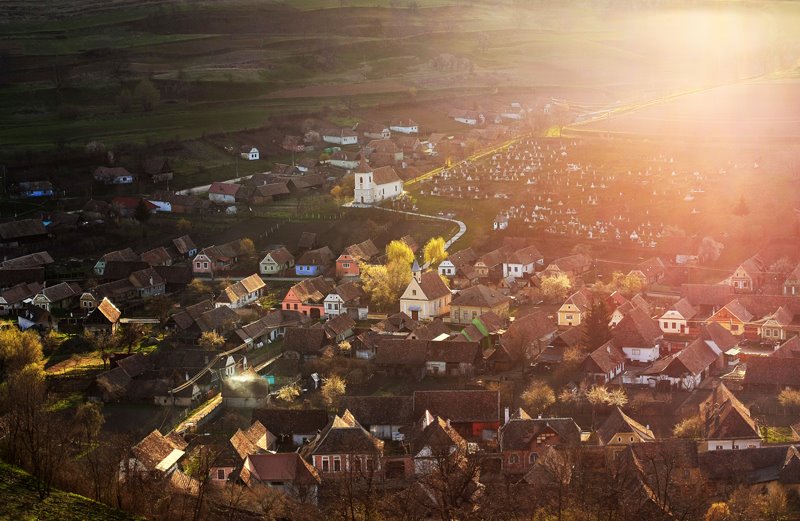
[
  {"x": 603, "y": 364},
  {"x": 420, "y": 358},
  {"x": 621, "y": 429},
  {"x": 308, "y": 297},
  {"x": 276, "y": 261},
  {"x": 573, "y": 310},
  {"x": 748, "y": 277},
  {"x": 572, "y": 265},
  {"x": 651, "y": 271},
  {"x": 35, "y": 189},
  {"x": 257, "y": 439},
  {"x": 314, "y": 262},
  {"x": 676, "y": 319},
  {"x": 305, "y": 343},
  {"x": 467, "y": 117},
  {"x": 383, "y": 151},
  {"x": 34, "y": 317},
  {"x": 404, "y": 126},
  {"x": 249, "y": 153},
  {"x": 339, "y": 328},
  {"x": 223, "y": 193},
  {"x": 170, "y": 202},
  {"x": 15, "y": 297},
  {"x": 269, "y": 328},
  {"x": 307, "y": 241},
  {"x": 286, "y": 472},
  {"x": 128, "y": 206},
  {"x": 727, "y": 423},
  {"x": 185, "y": 246},
  {"x": 156, "y": 455},
  {"x": 158, "y": 170},
  {"x": 157, "y": 257},
  {"x": 524, "y": 439},
  {"x": 426, "y": 297},
  {"x": 126, "y": 255},
  {"x": 343, "y": 136},
  {"x": 376, "y": 131},
  {"x": 348, "y": 298},
  {"x": 399, "y": 323},
  {"x": 344, "y": 447},
  {"x": 242, "y": 293},
  {"x": 435, "y": 441},
  {"x": 373, "y": 185},
  {"x": 522, "y": 262},
  {"x": 473, "y": 414},
  {"x": 779, "y": 370},
  {"x": 30, "y": 232},
  {"x": 472, "y": 302},
  {"x": 61, "y": 296},
  {"x": 105, "y": 318},
  {"x": 147, "y": 283},
  {"x": 685, "y": 369},
  {"x": 32, "y": 260},
  {"x": 245, "y": 392},
  {"x": 383, "y": 416},
  {"x": 639, "y": 336},
  {"x": 733, "y": 316},
  {"x": 791, "y": 286},
  {"x": 215, "y": 259},
  {"x": 528, "y": 336},
  {"x": 344, "y": 159},
  {"x": 112, "y": 175},
  {"x": 347, "y": 265},
  {"x": 447, "y": 268},
  {"x": 269, "y": 192},
  {"x": 292, "y": 426},
  {"x": 775, "y": 327}
]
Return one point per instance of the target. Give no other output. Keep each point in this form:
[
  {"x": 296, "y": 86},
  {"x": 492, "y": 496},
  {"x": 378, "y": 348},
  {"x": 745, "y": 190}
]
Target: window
[
  {"x": 768, "y": 332},
  {"x": 631, "y": 439},
  {"x": 325, "y": 464},
  {"x": 220, "y": 473},
  {"x": 569, "y": 317},
  {"x": 357, "y": 464},
  {"x": 295, "y": 307},
  {"x": 719, "y": 447},
  {"x": 734, "y": 327},
  {"x": 345, "y": 265},
  {"x": 205, "y": 265},
  {"x": 619, "y": 439},
  {"x": 414, "y": 292},
  {"x": 674, "y": 325},
  {"x": 513, "y": 459},
  {"x": 337, "y": 464},
  {"x": 636, "y": 351}
]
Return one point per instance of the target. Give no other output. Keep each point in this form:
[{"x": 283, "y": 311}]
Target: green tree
[
  {"x": 142, "y": 212},
  {"x": 147, "y": 94},
  {"x": 434, "y": 252},
  {"x": 538, "y": 397},
  {"x": 597, "y": 330}
]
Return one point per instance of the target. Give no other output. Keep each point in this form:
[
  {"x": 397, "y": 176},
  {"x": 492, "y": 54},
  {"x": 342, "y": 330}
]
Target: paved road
[{"x": 462, "y": 228}]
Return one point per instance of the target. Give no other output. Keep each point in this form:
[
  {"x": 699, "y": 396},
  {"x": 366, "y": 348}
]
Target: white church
[{"x": 374, "y": 186}]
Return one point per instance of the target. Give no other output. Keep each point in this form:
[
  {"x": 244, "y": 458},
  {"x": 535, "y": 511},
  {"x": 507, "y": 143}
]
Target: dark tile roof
[
  {"x": 524, "y": 331},
  {"x": 619, "y": 422},
  {"x": 379, "y": 410},
  {"x": 480, "y": 296},
  {"x": 637, "y": 329},
  {"x": 283, "y": 467},
  {"x": 304, "y": 340},
  {"x": 604, "y": 359},
  {"x": 517, "y": 434},
  {"x": 459, "y": 406},
  {"x": 433, "y": 286},
  {"x": 726, "y": 417},
  {"x": 286, "y": 422},
  {"x": 344, "y": 435}
]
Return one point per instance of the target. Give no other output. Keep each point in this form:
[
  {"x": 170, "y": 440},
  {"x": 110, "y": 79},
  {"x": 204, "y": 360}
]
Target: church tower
[{"x": 363, "y": 182}]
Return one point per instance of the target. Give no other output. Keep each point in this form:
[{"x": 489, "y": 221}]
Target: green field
[{"x": 19, "y": 501}]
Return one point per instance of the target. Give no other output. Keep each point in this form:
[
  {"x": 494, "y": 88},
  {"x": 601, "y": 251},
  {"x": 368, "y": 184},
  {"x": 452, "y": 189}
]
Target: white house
[
  {"x": 343, "y": 136},
  {"x": 374, "y": 186},
  {"x": 276, "y": 261},
  {"x": 447, "y": 268},
  {"x": 404, "y": 126},
  {"x": 249, "y": 153},
  {"x": 223, "y": 193},
  {"x": 522, "y": 262},
  {"x": 675, "y": 320},
  {"x": 242, "y": 293},
  {"x": 500, "y": 222},
  {"x": 426, "y": 297},
  {"x": 347, "y": 298}
]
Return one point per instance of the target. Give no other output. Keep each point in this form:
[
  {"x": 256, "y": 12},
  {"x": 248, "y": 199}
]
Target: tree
[
  {"x": 790, "y": 399},
  {"x": 248, "y": 246},
  {"x": 782, "y": 266},
  {"x": 385, "y": 284},
  {"x": 596, "y": 395},
  {"x": 345, "y": 346},
  {"x": 211, "y": 341},
  {"x": 718, "y": 512},
  {"x": 183, "y": 225},
  {"x": 130, "y": 334},
  {"x": 556, "y": 288},
  {"x": 628, "y": 285},
  {"x": 198, "y": 288},
  {"x": 332, "y": 388},
  {"x": 142, "y": 212},
  {"x": 288, "y": 393},
  {"x": 398, "y": 252},
  {"x": 709, "y": 250},
  {"x": 434, "y": 252},
  {"x": 691, "y": 427},
  {"x": 538, "y": 397},
  {"x": 147, "y": 94},
  {"x": 18, "y": 349},
  {"x": 597, "y": 330}
]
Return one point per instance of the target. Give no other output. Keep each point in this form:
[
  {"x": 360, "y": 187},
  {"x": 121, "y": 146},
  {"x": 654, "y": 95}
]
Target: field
[
  {"x": 19, "y": 500},
  {"x": 764, "y": 111},
  {"x": 229, "y": 65}
]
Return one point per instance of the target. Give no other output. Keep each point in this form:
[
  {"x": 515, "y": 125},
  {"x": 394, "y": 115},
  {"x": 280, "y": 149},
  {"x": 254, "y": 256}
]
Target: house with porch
[
  {"x": 426, "y": 297},
  {"x": 687, "y": 368},
  {"x": 734, "y": 317},
  {"x": 314, "y": 262},
  {"x": 242, "y": 293},
  {"x": 344, "y": 447},
  {"x": 603, "y": 364},
  {"x": 677, "y": 319},
  {"x": 308, "y": 297},
  {"x": 276, "y": 261}
]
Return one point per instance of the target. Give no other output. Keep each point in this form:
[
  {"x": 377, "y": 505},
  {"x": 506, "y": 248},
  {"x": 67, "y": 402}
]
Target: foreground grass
[{"x": 19, "y": 500}]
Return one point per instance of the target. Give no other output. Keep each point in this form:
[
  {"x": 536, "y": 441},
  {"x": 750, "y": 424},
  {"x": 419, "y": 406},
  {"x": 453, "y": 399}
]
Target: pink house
[
  {"x": 308, "y": 297},
  {"x": 347, "y": 266}
]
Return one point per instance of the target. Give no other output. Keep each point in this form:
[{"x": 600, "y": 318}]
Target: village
[{"x": 285, "y": 360}]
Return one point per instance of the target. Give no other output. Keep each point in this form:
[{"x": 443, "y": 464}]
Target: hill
[{"x": 20, "y": 501}]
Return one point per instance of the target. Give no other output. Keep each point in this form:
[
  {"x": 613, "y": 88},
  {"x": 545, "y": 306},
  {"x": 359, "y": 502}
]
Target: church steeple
[
  {"x": 416, "y": 271},
  {"x": 363, "y": 167}
]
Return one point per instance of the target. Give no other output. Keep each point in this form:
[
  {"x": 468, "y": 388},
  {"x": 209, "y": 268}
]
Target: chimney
[
  {"x": 540, "y": 416},
  {"x": 506, "y": 415}
]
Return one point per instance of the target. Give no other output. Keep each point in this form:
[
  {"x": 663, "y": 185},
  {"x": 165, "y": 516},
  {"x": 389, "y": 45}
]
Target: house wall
[
  {"x": 569, "y": 315},
  {"x": 466, "y": 314},
  {"x": 672, "y": 322},
  {"x": 347, "y": 267},
  {"x": 641, "y": 354},
  {"x": 221, "y": 198},
  {"x": 202, "y": 264},
  {"x": 518, "y": 270},
  {"x": 305, "y": 270},
  {"x": 731, "y": 444}
]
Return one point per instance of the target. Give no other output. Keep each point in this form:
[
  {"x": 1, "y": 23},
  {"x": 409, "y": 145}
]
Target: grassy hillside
[{"x": 20, "y": 501}]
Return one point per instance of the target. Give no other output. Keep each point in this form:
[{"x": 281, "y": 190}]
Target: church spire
[{"x": 363, "y": 167}]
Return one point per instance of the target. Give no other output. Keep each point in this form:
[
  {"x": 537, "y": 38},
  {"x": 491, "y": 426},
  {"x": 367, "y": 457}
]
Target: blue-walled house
[{"x": 314, "y": 262}]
